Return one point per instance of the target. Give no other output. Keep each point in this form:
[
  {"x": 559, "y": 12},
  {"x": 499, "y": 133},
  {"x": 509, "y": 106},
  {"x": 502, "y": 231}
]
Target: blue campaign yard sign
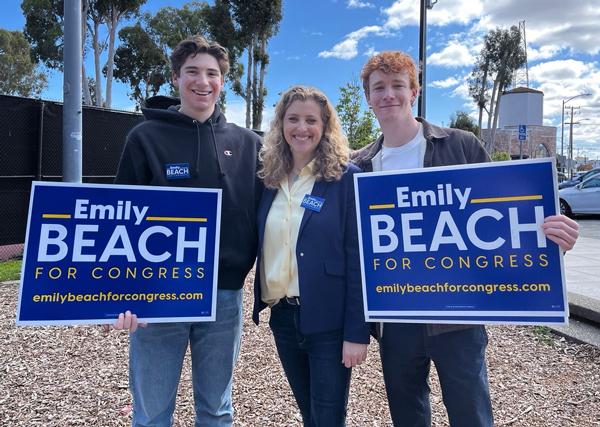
[
  {"x": 93, "y": 251},
  {"x": 461, "y": 244},
  {"x": 522, "y": 132}
]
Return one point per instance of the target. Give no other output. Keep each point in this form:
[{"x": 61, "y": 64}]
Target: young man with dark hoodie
[
  {"x": 407, "y": 350},
  {"x": 216, "y": 154}
]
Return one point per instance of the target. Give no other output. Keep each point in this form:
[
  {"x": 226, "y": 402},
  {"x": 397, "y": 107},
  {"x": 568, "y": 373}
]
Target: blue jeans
[
  {"x": 459, "y": 357},
  {"x": 156, "y": 359},
  {"x": 313, "y": 367}
]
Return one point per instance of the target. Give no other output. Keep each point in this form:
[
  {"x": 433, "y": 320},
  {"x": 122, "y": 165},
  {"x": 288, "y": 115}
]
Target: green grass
[
  {"x": 544, "y": 335},
  {"x": 10, "y": 270}
]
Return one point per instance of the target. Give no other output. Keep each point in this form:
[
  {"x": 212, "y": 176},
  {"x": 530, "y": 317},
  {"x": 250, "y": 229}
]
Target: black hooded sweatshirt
[{"x": 216, "y": 154}]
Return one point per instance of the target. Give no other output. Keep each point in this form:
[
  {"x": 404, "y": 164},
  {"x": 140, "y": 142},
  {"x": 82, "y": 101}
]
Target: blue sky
[{"x": 324, "y": 43}]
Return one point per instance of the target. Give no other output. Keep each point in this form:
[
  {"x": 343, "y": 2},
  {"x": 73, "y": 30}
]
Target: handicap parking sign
[{"x": 522, "y": 132}]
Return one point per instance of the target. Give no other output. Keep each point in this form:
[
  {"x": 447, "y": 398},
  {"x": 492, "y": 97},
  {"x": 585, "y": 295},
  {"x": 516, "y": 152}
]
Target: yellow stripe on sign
[
  {"x": 56, "y": 216},
  {"x": 175, "y": 219},
  {"x": 390, "y": 206},
  {"x": 508, "y": 199}
]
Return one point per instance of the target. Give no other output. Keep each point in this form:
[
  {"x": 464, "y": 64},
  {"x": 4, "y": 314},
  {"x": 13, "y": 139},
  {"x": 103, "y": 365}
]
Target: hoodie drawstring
[
  {"x": 212, "y": 131},
  {"x": 214, "y": 144}
]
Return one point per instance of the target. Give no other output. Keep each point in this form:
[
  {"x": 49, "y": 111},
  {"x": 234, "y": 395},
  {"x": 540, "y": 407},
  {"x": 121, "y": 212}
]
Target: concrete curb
[
  {"x": 10, "y": 282},
  {"x": 584, "y": 307},
  {"x": 580, "y": 332}
]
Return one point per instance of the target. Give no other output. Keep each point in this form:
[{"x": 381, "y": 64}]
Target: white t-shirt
[{"x": 407, "y": 156}]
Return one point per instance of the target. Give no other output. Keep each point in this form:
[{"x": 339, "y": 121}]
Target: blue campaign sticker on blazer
[
  {"x": 313, "y": 203},
  {"x": 177, "y": 170}
]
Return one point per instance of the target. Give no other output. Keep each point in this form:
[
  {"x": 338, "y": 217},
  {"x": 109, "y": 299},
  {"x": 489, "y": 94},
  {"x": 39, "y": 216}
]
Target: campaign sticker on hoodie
[
  {"x": 313, "y": 203},
  {"x": 177, "y": 170}
]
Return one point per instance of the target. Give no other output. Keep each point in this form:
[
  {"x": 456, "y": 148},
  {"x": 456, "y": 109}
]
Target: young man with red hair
[{"x": 458, "y": 351}]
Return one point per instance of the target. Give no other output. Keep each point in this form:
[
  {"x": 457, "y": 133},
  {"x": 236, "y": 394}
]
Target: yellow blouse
[{"x": 279, "y": 269}]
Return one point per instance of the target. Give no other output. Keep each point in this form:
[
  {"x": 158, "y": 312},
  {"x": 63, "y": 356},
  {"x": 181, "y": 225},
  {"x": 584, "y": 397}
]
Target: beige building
[
  {"x": 540, "y": 142},
  {"x": 522, "y": 106}
]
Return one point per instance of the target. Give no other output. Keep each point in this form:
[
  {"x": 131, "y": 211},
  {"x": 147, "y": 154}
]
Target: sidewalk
[{"x": 582, "y": 269}]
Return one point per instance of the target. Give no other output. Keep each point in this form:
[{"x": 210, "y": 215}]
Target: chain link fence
[{"x": 31, "y": 149}]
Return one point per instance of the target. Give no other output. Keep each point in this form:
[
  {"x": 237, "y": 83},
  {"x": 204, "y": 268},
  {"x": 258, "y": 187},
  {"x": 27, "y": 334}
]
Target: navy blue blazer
[{"x": 328, "y": 262}]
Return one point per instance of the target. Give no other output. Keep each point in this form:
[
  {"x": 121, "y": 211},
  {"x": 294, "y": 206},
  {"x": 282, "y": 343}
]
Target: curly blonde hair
[{"x": 332, "y": 154}]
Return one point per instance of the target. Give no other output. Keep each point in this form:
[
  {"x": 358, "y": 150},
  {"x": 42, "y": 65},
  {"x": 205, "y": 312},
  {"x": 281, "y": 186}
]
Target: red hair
[{"x": 390, "y": 62}]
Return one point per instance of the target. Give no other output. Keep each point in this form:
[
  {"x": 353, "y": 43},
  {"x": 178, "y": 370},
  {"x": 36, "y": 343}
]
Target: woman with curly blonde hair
[
  {"x": 330, "y": 157},
  {"x": 308, "y": 261}
]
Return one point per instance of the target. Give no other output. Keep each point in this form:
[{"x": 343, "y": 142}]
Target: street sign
[{"x": 522, "y": 132}]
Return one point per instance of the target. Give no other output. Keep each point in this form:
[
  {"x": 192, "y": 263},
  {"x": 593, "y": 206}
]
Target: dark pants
[
  {"x": 459, "y": 357},
  {"x": 313, "y": 367}
]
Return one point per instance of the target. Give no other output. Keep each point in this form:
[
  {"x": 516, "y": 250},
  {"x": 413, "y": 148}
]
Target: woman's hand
[
  {"x": 561, "y": 230},
  {"x": 353, "y": 354},
  {"x": 126, "y": 321}
]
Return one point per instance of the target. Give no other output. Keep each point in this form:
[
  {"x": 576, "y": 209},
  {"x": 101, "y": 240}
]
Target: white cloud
[
  {"x": 348, "y": 48},
  {"x": 370, "y": 52},
  {"x": 357, "y": 4},
  {"x": 549, "y": 22},
  {"x": 312, "y": 32},
  {"x": 461, "y": 91},
  {"x": 544, "y": 52},
  {"x": 403, "y": 13},
  {"x": 449, "y": 82},
  {"x": 454, "y": 55},
  {"x": 565, "y": 72}
]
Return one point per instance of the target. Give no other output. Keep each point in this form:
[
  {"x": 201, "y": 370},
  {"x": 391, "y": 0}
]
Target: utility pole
[
  {"x": 72, "y": 109},
  {"x": 571, "y": 145},
  {"x": 562, "y": 122},
  {"x": 425, "y": 4}
]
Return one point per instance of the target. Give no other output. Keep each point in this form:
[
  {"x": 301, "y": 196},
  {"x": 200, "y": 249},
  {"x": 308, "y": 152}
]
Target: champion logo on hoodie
[{"x": 177, "y": 170}]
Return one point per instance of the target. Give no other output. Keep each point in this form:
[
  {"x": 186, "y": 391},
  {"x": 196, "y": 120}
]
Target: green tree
[
  {"x": 479, "y": 85},
  {"x": 140, "y": 63},
  {"x": 221, "y": 27},
  {"x": 461, "y": 120},
  {"x": 170, "y": 25},
  {"x": 20, "y": 75},
  {"x": 499, "y": 156},
  {"x": 256, "y": 22},
  {"x": 359, "y": 129},
  {"x": 44, "y": 30},
  {"x": 501, "y": 55},
  {"x": 114, "y": 11}
]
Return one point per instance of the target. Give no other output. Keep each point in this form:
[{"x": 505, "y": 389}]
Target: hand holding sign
[{"x": 561, "y": 230}]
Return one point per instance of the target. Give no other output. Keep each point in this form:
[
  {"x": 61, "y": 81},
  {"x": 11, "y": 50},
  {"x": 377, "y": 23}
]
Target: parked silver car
[
  {"x": 583, "y": 198},
  {"x": 580, "y": 177}
]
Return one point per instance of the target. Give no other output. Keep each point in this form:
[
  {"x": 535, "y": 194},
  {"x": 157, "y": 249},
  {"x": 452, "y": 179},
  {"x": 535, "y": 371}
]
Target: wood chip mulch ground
[{"x": 77, "y": 376}]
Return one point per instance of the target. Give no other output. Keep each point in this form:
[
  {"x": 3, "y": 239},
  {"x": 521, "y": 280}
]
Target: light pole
[
  {"x": 571, "y": 123},
  {"x": 425, "y": 4},
  {"x": 72, "y": 125},
  {"x": 562, "y": 124}
]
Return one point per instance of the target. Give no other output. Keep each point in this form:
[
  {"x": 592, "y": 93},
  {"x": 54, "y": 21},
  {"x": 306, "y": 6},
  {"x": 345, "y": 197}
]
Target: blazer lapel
[{"x": 319, "y": 190}]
